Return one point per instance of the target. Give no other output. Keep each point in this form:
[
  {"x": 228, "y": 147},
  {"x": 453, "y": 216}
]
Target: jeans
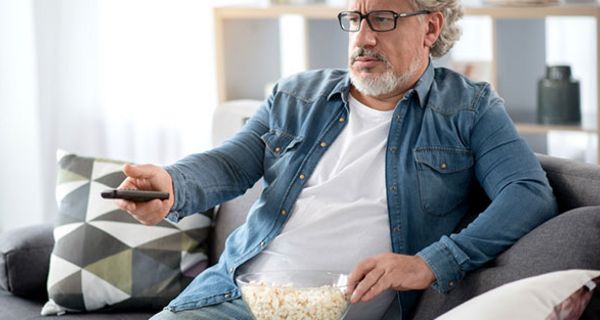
[{"x": 229, "y": 310}]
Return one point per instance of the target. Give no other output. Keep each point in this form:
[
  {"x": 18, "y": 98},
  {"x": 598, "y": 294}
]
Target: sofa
[{"x": 569, "y": 241}]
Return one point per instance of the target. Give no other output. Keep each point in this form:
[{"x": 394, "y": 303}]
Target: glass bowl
[{"x": 291, "y": 295}]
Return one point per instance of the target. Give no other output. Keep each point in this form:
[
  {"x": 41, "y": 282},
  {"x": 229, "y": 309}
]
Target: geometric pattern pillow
[
  {"x": 105, "y": 259},
  {"x": 559, "y": 295}
]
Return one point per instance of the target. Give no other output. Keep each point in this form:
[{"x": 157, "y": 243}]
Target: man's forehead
[{"x": 370, "y": 5}]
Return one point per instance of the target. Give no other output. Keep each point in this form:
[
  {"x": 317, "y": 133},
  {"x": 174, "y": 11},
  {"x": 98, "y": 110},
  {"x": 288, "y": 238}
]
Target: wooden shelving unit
[{"x": 232, "y": 35}]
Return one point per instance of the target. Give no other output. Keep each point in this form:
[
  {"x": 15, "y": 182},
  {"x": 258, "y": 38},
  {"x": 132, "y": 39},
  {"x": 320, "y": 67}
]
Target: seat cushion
[
  {"x": 568, "y": 241},
  {"x": 16, "y": 308}
]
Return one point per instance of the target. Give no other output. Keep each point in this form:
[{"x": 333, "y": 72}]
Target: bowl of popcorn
[{"x": 291, "y": 295}]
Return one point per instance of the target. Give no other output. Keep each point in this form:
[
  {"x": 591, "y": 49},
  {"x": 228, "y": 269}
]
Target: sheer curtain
[{"x": 125, "y": 79}]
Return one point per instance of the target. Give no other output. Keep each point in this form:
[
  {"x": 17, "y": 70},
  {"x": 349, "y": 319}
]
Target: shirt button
[
  {"x": 301, "y": 177},
  {"x": 397, "y": 229},
  {"x": 262, "y": 244},
  {"x": 451, "y": 284},
  {"x": 323, "y": 144},
  {"x": 231, "y": 270},
  {"x": 277, "y": 149},
  {"x": 443, "y": 165},
  {"x": 283, "y": 212},
  {"x": 393, "y": 149},
  {"x": 341, "y": 119},
  {"x": 227, "y": 296}
]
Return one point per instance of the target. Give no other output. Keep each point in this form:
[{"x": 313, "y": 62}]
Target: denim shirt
[{"x": 448, "y": 137}]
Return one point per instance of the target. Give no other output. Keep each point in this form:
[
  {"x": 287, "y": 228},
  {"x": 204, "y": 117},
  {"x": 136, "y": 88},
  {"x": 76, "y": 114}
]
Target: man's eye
[
  {"x": 353, "y": 19},
  {"x": 382, "y": 19}
]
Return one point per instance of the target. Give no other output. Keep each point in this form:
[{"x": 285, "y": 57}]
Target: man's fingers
[
  {"x": 148, "y": 213},
  {"x": 142, "y": 171},
  {"x": 125, "y": 205},
  {"x": 381, "y": 285},
  {"x": 358, "y": 274},
  {"x": 366, "y": 284},
  {"x": 127, "y": 184}
]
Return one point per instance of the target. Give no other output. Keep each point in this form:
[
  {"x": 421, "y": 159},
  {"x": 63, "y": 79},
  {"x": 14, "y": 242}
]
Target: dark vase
[{"x": 558, "y": 97}]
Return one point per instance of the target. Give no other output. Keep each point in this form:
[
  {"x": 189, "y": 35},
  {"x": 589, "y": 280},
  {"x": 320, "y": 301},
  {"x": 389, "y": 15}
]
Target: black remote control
[{"x": 134, "y": 195}]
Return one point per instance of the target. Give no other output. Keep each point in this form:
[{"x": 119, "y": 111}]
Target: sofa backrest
[
  {"x": 575, "y": 184},
  {"x": 228, "y": 216}
]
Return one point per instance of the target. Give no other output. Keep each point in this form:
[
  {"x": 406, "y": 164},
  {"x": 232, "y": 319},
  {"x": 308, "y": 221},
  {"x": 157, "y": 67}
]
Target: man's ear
[{"x": 435, "y": 22}]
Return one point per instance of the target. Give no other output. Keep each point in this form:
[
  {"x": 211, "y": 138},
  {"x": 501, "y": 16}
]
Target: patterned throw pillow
[{"x": 105, "y": 259}]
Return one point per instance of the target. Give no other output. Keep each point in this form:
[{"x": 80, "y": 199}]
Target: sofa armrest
[
  {"x": 567, "y": 241},
  {"x": 25, "y": 258}
]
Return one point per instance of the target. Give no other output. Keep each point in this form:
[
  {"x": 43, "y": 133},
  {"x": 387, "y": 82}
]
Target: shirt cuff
[
  {"x": 445, "y": 258},
  {"x": 178, "y": 180},
  {"x": 173, "y": 216}
]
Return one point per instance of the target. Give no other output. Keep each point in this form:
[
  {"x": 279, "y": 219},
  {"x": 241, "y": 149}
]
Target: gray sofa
[{"x": 570, "y": 240}]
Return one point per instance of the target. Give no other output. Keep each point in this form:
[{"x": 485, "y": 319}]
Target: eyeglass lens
[{"x": 378, "y": 20}]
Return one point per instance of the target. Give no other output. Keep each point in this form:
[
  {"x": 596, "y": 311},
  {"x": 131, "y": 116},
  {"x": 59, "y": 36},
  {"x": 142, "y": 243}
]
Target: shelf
[
  {"x": 528, "y": 12},
  {"x": 275, "y": 11},
  {"x": 529, "y": 128},
  {"x": 329, "y": 12}
]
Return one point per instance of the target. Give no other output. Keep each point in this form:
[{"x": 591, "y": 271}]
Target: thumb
[{"x": 142, "y": 171}]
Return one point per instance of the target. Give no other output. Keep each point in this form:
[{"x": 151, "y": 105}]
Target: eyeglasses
[{"x": 379, "y": 21}]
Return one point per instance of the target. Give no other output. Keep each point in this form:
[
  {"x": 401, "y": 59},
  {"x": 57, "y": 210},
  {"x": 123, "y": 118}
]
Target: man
[{"x": 368, "y": 170}]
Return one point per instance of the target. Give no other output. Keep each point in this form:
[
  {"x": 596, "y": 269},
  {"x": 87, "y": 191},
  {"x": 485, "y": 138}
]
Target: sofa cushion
[
  {"x": 559, "y": 295},
  {"x": 568, "y": 241},
  {"x": 17, "y": 308},
  {"x": 104, "y": 258},
  {"x": 575, "y": 184},
  {"x": 24, "y": 255}
]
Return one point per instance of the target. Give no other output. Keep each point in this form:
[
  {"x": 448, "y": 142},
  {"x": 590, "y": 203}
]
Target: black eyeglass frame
[{"x": 362, "y": 16}]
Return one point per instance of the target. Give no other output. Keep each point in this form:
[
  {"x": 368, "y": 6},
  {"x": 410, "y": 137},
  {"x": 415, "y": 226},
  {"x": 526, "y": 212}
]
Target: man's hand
[
  {"x": 388, "y": 271},
  {"x": 147, "y": 177}
]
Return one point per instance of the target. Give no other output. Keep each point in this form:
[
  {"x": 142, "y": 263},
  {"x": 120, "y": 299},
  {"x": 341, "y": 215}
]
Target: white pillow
[{"x": 529, "y": 298}]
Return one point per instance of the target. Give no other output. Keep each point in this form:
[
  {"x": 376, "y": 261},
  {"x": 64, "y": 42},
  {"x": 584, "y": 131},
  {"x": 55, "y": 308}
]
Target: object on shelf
[{"x": 558, "y": 97}]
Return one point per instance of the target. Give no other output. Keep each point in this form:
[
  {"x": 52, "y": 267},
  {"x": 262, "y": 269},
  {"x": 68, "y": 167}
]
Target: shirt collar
[
  {"x": 342, "y": 88},
  {"x": 421, "y": 87}
]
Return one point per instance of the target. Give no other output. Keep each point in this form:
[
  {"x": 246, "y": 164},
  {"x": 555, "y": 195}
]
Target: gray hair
[{"x": 452, "y": 11}]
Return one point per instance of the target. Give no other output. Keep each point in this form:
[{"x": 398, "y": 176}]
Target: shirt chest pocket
[
  {"x": 278, "y": 143},
  {"x": 444, "y": 177}
]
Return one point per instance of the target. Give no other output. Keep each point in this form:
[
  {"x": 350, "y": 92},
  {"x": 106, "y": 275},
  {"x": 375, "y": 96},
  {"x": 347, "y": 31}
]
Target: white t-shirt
[{"x": 341, "y": 216}]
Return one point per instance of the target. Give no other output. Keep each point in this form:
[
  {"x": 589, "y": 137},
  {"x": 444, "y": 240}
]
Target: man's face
[{"x": 383, "y": 63}]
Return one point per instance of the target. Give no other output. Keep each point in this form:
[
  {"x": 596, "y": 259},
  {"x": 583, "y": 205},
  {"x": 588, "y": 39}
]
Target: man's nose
[{"x": 365, "y": 37}]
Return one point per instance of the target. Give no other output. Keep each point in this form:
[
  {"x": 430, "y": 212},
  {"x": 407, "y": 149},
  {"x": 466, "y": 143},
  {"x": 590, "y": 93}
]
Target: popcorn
[{"x": 286, "y": 302}]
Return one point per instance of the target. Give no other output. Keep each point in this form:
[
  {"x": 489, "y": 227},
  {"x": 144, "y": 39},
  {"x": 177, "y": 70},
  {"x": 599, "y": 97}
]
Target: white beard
[{"x": 388, "y": 82}]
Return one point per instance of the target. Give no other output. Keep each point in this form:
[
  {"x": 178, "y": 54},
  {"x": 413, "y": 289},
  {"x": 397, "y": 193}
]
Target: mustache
[{"x": 362, "y": 52}]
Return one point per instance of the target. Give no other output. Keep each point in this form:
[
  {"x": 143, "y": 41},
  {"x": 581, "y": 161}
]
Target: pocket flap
[
  {"x": 444, "y": 160},
  {"x": 279, "y": 141}
]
